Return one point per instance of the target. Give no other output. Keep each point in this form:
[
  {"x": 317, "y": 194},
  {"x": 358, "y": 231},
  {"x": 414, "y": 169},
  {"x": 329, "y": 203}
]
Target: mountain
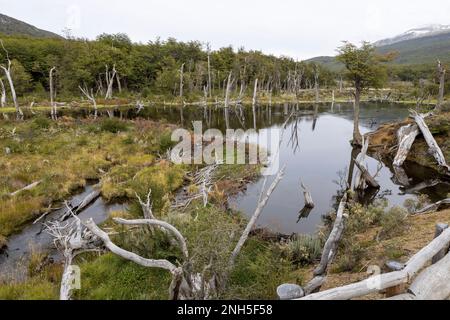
[
  {"x": 426, "y": 31},
  {"x": 12, "y": 26},
  {"x": 417, "y": 46}
]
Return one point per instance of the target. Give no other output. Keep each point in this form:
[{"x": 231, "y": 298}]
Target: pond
[{"x": 315, "y": 150}]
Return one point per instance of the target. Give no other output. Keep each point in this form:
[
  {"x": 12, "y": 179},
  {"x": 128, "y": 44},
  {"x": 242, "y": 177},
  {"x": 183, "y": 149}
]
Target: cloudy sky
[{"x": 297, "y": 28}]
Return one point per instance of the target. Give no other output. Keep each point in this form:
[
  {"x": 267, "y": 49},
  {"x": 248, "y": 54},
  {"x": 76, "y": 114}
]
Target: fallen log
[
  {"x": 434, "y": 282},
  {"x": 28, "y": 187},
  {"x": 406, "y": 136},
  {"x": 90, "y": 198},
  {"x": 435, "y": 150},
  {"x": 330, "y": 248},
  {"x": 433, "y": 207},
  {"x": 383, "y": 281},
  {"x": 423, "y": 185},
  {"x": 367, "y": 176}
]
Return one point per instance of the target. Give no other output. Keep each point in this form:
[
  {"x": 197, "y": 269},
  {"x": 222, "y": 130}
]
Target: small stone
[
  {"x": 395, "y": 265},
  {"x": 7, "y": 150},
  {"x": 290, "y": 291}
]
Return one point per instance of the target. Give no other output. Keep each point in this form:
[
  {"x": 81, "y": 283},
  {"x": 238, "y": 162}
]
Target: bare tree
[
  {"x": 181, "y": 80},
  {"x": 90, "y": 96},
  {"x": 110, "y": 76},
  {"x": 7, "y": 70},
  {"x": 441, "y": 72},
  {"x": 209, "y": 71},
  {"x": 316, "y": 82},
  {"x": 228, "y": 89},
  {"x": 52, "y": 94},
  {"x": 3, "y": 94}
]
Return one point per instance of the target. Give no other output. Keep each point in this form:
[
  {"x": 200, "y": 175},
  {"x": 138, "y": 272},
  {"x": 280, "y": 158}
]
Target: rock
[
  {"x": 395, "y": 265},
  {"x": 290, "y": 291},
  {"x": 7, "y": 150}
]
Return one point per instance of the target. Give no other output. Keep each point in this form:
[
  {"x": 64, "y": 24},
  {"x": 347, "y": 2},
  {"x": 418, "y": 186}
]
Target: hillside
[
  {"x": 423, "y": 49},
  {"x": 11, "y": 26}
]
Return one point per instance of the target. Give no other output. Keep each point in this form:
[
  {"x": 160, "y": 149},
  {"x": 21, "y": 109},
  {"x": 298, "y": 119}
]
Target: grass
[{"x": 65, "y": 154}]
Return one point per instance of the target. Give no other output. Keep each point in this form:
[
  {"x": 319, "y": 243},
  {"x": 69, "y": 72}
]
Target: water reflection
[{"x": 315, "y": 148}]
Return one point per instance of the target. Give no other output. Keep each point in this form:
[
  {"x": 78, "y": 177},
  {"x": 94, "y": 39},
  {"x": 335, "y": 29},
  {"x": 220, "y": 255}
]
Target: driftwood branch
[
  {"x": 28, "y": 187},
  {"x": 331, "y": 245},
  {"x": 254, "y": 218}
]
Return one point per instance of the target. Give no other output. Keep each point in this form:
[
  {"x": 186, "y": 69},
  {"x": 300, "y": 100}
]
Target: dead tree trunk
[
  {"x": 331, "y": 245},
  {"x": 181, "y": 80},
  {"x": 7, "y": 71},
  {"x": 227, "y": 91},
  {"x": 316, "y": 83},
  {"x": 406, "y": 136},
  {"x": 434, "y": 147},
  {"x": 90, "y": 96},
  {"x": 254, "y": 218},
  {"x": 110, "y": 76},
  {"x": 441, "y": 72},
  {"x": 357, "y": 137},
  {"x": 309, "y": 203},
  {"x": 3, "y": 94},
  {"x": 209, "y": 73},
  {"x": 52, "y": 95}
]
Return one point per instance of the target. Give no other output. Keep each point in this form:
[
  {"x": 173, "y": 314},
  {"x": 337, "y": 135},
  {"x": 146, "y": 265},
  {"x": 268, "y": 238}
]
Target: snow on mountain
[{"x": 429, "y": 30}]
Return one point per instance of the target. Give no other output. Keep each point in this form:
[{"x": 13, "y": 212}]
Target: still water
[{"x": 315, "y": 150}]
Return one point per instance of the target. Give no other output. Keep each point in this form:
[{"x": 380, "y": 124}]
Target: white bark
[
  {"x": 434, "y": 282},
  {"x": 434, "y": 147},
  {"x": 331, "y": 245},
  {"x": 181, "y": 80},
  {"x": 369, "y": 179},
  {"x": 227, "y": 90},
  {"x": 387, "y": 280},
  {"x": 7, "y": 71},
  {"x": 110, "y": 76},
  {"x": 90, "y": 96},
  {"x": 309, "y": 203},
  {"x": 406, "y": 136},
  {"x": 52, "y": 94},
  {"x": 360, "y": 182},
  {"x": 163, "y": 264},
  {"x": 3, "y": 94},
  {"x": 433, "y": 207},
  {"x": 28, "y": 187},
  {"x": 441, "y": 72},
  {"x": 254, "y": 218}
]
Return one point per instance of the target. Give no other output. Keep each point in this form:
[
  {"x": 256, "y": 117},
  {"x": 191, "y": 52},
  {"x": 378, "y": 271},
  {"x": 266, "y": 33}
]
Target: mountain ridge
[
  {"x": 417, "y": 46},
  {"x": 12, "y": 26}
]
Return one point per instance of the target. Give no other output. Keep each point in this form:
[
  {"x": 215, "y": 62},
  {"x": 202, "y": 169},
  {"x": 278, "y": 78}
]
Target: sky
[{"x": 300, "y": 29}]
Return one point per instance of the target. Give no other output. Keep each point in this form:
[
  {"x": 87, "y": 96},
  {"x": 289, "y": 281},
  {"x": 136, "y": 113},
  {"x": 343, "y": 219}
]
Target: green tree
[{"x": 365, "y": 70}]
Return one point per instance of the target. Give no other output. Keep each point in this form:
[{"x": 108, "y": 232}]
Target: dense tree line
[{"x": 154, "y": 68}]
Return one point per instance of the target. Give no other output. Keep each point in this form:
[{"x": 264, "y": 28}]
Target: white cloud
[{"x": 301, "y": 28}]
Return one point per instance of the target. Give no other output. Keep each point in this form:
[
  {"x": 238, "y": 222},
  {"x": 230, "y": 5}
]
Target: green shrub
[{"x": 304, "y": 249}]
